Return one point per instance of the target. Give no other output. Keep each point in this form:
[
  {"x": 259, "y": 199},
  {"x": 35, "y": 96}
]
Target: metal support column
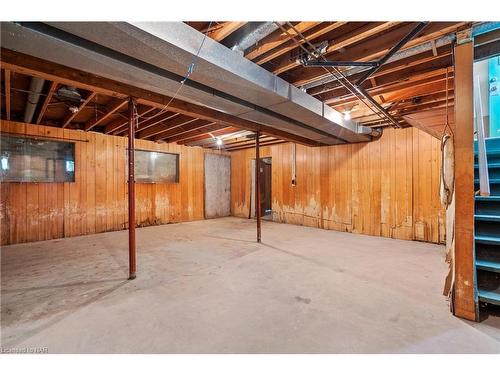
[
  {"x": 257, "y": 183},
  {"x": 132, "y": 120}
]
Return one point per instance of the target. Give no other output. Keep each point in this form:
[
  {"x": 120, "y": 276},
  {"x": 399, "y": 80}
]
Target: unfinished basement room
[{"x": 272, "y": 187}]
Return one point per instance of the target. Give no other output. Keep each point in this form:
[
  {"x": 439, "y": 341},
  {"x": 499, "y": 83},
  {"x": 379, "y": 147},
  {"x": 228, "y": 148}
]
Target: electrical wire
[{"x": 190, "y": 70}]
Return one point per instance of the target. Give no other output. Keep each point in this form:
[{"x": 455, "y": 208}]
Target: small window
[
  {"x": 24, "y": 159},
  {"x": 156, "y": 167}
]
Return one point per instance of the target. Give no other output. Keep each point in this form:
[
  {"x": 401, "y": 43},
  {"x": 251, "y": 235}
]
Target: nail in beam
[
  {"x": 131, "y": 188},
  {"x": 257, "y": 182}
]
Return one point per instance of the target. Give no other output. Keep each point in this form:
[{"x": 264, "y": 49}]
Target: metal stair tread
[
  {"x": 487, "y": 239},
  {"x": 487, "y": 217},
  {"x": 492, "y": 180},
  {"x": 487, "y": 296},
  {"x": 490, "y": 165},
  {"x": 493, "y": 198},
  {"x": 488, "y": 265}
]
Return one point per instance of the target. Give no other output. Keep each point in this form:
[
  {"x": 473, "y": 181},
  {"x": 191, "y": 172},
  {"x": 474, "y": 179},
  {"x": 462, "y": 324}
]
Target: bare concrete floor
[{"x": 207, "y": 287}]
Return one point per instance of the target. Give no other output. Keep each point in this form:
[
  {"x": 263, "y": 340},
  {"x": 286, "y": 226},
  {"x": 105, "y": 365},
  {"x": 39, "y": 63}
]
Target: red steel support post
[
  {"x": 257, "y": 183},
  {"x": 132, "y": 121}
]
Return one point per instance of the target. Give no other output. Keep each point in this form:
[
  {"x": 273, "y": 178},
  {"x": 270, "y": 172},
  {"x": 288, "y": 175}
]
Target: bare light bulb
[
  {"x": 218, "y": 142},
  {"x": 347, "y": 115}
]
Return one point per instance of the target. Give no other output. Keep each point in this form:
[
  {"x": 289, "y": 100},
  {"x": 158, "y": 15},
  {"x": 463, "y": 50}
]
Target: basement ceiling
[{"x": 419, "y": 78}]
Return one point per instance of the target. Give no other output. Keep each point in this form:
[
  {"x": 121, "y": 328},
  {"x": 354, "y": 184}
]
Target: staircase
[{"x": 487, "y": 228}]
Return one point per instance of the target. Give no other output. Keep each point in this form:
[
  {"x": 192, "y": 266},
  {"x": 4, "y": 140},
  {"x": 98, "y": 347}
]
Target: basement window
[
  {"x": 24, "y": 159},
  {"x": 156, "y": 167}
]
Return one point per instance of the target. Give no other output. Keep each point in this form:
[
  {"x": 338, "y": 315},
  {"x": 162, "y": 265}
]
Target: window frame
[
  {"x": 177, "y": 166},
  {"x": 68, "y": 177}
]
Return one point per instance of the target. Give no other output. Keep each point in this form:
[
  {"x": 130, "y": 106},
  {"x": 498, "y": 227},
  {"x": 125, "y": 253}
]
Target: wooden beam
[
  {"x": 67, "y": 120},
  {"x": 277, "y": 38},
  {"x": 374, "y": 48},
  {"x": 121, "y": 125},
  {"x": 267, "y": 143},
  {"x": 115, "y": 105},
  {"x": 40, "y": 68},
  {"x": 182, "y": 129},
  {"x": 225, "y": 30},
  {"x": 46, "y": 101},
  {"x": 463, "y": 296},
  {"x": 398, "y": 106},
  {"x": 156, "y": 120},
  {"x": 417, "y": 123},
  {"x": 317, "y": 32},
  {"x": 196, "y": 132},
  {"x": 392, "y": 67},
  {"x": 218, "y": 132},
  {"x": 399, "y": 90},
  {"x": 240, "y": 141},
  {"x": 174, "y": 122},
  {"x": 351, "y": 38}
]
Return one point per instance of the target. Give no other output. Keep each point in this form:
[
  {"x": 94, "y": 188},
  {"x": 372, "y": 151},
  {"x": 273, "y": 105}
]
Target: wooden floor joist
[
  {"x": 37, "y": 67},
  {"x": 46, "y": 101}
]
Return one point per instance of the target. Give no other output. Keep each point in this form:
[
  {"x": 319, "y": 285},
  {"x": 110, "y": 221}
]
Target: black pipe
[
  {"x": 392, "y": 51},
  {"x": 320, "y": 64}
]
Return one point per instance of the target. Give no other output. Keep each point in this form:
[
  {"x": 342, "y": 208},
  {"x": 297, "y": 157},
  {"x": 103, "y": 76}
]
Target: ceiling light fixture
[
  {"x": 218, "y": 142},
  {"x": 347, "y": 115}
]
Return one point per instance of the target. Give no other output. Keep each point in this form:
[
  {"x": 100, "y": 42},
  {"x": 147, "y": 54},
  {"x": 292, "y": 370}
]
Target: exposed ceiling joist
[
  {"x": 182, "y": 129},
  {"x": 155, "y": 121},
  {"x": 36, "y": 67},
  {"x": 373, "y": 49},
  {"x": 119, "y": 124},
  {"x": 250, "y": 145},
  {"x": 174, "y": 122},
  {"x": 116, "y": 105},
  {"x": 194, "y": 141},
  {"x": 195, "y": 132},
  {"x": 394, "y": 66},
  {"x": 69, "y": 118},
  {"x": 351, "y": 38},
  {"x": 316, "y": 32},
  {"x": 226, "y": 29},
  {"x": 46, "y": 101},
  {"x": 276, "y": 39}
]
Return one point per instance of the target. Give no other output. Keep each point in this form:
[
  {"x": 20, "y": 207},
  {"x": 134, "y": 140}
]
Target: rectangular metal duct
[{"x": 155, "y": 56}]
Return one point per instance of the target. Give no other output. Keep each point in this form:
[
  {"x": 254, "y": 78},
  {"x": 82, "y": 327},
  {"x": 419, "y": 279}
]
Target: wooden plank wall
[
  {"x": 97, "y": 201},
  {"x": 389, "y": 187}
]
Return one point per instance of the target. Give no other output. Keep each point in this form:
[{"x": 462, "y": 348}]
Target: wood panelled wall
[
  {"x": 389, "y": 187},
  {"x": 97, "y": 200}
]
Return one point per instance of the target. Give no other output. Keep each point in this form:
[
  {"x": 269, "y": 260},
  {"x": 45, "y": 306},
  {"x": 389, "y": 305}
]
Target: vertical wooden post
[
  {"x": 464, "y": 288},
  {"x": 257, "y": 183},
  {"x": 131, "y": 188}
]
